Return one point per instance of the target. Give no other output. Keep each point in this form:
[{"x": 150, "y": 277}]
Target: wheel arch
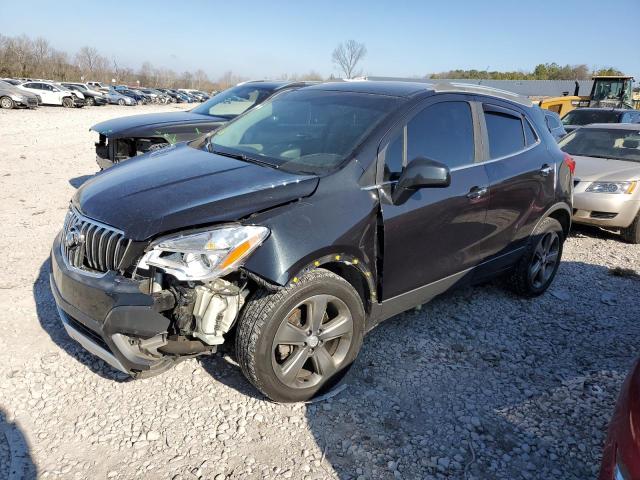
[
  {"x": 344, "y": 264},
  {"x": 562, "y": 214}
]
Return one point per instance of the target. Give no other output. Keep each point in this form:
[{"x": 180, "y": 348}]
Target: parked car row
[{"x": 14, "y": 94}]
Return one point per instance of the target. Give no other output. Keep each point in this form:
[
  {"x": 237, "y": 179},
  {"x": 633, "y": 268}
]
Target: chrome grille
[{"x": 92, "y": 246}]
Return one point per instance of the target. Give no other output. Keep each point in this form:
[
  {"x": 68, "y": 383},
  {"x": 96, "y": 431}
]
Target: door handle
[
  {"x": 546, "y": 170},
  {"x": 477, "y": 192}
]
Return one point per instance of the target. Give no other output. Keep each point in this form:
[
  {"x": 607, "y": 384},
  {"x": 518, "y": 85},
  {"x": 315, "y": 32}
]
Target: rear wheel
[
  {"x": 294, "y": 343},
  {"x": 631, "y": 234},
  {"x": 67, "y": 102},
  {"x": 6, "y": 102},
  {"x": 537, "y": 268}
]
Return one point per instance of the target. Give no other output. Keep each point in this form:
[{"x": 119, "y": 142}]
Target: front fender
[{"x": 336, "y": 224}]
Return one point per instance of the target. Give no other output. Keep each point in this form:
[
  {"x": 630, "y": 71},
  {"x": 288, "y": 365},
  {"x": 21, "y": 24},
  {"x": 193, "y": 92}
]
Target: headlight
[
  {"x": 204, "y": 255},
  {"x": 612, "y": 187},
  {"x": 19, "y": 98}
]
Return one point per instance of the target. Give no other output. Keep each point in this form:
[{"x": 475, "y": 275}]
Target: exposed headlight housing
[
  {"x": 612, "y": 187},
  {"x": 19, "y": 98},
  {"x": 204, "y": 255}
]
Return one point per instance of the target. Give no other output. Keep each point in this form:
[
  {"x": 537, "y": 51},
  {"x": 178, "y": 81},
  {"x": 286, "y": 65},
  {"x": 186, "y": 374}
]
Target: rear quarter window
[{"x": 505, "y": 132}]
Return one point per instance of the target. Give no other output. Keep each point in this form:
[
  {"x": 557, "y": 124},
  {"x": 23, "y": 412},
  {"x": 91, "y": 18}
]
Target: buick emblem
[{"x": 73, "y": 238}]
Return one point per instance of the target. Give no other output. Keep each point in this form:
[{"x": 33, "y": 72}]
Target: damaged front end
[
  {"x": 141, "y": 307},
  {"x": 110, "y": 151}
]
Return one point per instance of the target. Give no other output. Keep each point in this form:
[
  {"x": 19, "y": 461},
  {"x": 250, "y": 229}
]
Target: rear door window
[{"x": 505, "y": 132}]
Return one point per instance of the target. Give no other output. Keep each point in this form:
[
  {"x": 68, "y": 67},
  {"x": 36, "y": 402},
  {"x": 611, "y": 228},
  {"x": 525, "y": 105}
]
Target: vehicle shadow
[
  {"x": 594, "y": 232},
  {"x": 480, "y": 383},
  {"x": 483, "y": 384},
  {"x": 50, "y": 323},
  {"x": 15, "y": 457},
  {"x": 77, "y": 182}
]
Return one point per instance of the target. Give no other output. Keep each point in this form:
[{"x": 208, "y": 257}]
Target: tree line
[{"x": 543, "y": 71}]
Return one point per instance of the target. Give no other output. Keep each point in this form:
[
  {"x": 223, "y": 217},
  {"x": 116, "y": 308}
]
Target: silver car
[
  {"x": 116, "y": 98},
  {"x": 606, "y": 190},
  {"x": 12, "y": 97}
]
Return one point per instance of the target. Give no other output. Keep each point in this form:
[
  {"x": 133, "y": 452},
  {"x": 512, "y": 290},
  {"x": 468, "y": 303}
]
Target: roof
[
  {"x": 613, "y": 126},
  {"x": 395, "y": 89},
  {"x": 402, "y": 88},
  {"x": 528, "y": 88}
]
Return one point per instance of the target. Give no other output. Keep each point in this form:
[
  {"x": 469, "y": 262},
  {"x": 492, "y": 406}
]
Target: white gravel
[{"x": 478, "y": 384}]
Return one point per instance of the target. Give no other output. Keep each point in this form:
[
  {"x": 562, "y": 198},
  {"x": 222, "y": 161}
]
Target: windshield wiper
[{"x": 243, "y": 157}]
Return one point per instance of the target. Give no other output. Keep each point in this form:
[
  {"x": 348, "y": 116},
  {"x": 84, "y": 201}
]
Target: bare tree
[
  {"x": 200, "y": 79},
  {"x": 86, "y": 59},
  {"x": 347, "y": 55}
]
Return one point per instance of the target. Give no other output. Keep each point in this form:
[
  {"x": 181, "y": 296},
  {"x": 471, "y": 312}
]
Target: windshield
[
  {"x": 234, "y": 101},
  {"x": 618, "y": 144},
  {"x": 304, "y": 131},
  {"x": 608, "y": 89},
  {"x": 585, "y": 117}
]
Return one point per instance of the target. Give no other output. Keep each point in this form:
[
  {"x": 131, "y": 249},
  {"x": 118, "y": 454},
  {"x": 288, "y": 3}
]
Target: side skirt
[{"x": 406, "y": 301}]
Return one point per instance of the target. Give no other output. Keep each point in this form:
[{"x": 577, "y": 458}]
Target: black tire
[
  {"x": 631, "y": 234},
  {"x": 7, "y": 103},
  {"x": 90, "y": 101},
  {"x": 67, "y": 102},
  {"x": 525, "y": 279},
  {"x": 265, "y": 315},
  {"x": 121, "y": 101}
]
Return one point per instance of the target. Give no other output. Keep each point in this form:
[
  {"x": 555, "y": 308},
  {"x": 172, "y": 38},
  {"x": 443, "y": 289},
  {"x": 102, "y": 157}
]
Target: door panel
[
  {"x": 438, "y": 232},
  {"x": 521, "y": 186}
]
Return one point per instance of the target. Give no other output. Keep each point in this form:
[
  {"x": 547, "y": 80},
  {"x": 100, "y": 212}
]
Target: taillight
[{"x": 570, "y": 162}]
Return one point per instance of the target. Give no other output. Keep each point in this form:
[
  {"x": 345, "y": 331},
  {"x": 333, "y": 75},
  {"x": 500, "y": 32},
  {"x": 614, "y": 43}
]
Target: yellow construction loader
[{"x": 610, "y": 91}]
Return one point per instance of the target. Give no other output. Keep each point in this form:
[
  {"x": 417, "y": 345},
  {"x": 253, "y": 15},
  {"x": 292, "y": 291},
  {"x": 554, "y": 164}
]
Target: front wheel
[
  {"x": 537, "y": 268},
  {"x": 90, "y": 102},
  {"x": 6, "y": 102},
  {"x": 631, "y": 234},
  {"x": 67, "y": 102},
  {"x": 121, "y": 101},
  {"x": 293, "y": 343}
]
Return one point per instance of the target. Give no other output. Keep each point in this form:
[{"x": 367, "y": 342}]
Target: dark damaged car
[
  {"x": 298, "y": 227},
  {"x": 126, "y": 137}
]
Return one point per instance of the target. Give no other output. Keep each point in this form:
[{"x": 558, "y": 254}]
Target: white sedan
[{"x": 53, "y": 94}]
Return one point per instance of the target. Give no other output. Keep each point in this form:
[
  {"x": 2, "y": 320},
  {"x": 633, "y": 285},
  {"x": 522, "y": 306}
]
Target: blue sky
[{"x": 266, "y": 39}]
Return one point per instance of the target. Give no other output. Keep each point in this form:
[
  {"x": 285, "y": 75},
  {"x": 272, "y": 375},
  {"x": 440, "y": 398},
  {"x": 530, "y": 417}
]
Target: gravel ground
[{"x": 478, "y": 384}]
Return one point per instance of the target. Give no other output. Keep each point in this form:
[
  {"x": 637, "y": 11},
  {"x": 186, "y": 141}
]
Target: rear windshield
[
  {"x": 304, "y": 131},
  {"x": 234, "y": 101},
  {"x": 618, "y": 144},
  {"x": 585, "y": 117}
]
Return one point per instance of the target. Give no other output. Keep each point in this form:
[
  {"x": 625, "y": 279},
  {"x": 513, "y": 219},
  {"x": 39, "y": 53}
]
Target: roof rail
[
  {"x": 482, "y": 89},
  {"x": 432, "y": 83}
]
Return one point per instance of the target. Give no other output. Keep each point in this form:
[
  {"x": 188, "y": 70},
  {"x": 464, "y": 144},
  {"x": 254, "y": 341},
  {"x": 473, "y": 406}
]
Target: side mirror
[{"x": 420, "y": 173}]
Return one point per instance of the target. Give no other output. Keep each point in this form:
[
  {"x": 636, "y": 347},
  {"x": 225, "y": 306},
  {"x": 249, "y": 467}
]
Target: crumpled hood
[
  {"x": 131, "y": 125},
  {"x": 592, "y": 169},
  {"x": 181, "y": 187}
]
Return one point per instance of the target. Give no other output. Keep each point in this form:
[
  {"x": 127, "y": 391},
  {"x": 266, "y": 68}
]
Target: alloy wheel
[
  {"x": 545, "y": 259},
  {"x": 312, "y": 341},
  {"x": 6, "y": 102}
]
